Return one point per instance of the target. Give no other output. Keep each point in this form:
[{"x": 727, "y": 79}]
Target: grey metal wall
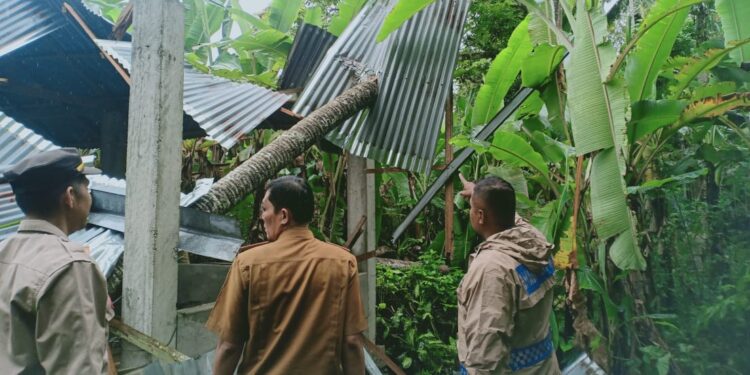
[{"x": 414, "y": 65}]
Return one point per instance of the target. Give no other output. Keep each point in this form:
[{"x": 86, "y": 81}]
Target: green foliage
[
  {"x": 283, "y": 13},
  {"x": 348, "y": 9},
  {"x": 734, "y": 15},
  {"x": 539, "y": 65},
  {"x": 416, "y": 313},
  {"x": 401, "y": 12},
  {"x": 501, "y": 75},
  {"x": 645, "y": 62}
]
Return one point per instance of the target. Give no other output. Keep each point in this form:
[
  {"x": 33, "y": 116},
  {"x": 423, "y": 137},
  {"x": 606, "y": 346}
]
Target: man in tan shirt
[
  {"x": 53, "y": 298},
  {"x": 293, "y": 303},
  {"x": 505, "y": 298}
]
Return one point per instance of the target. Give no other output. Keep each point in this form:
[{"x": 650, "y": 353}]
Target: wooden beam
[
  {"x": 448, "y": 243},
  {"x": 146, "y": 343},
  {"x": 354, "y": 235},
  {"x": 69, "y": 9},
  {"x": 380, "y": 354}
]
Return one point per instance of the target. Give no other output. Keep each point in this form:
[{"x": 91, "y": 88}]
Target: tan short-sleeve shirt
[
  {"x": 292, "y": 301},
  {"x": 53, "y": 304}
]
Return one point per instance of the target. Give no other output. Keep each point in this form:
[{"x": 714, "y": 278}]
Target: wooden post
[
  {"x": 153, "y": 173},
  {"x": 448, "y": 245},
  {"x": 360, "y": 199}
]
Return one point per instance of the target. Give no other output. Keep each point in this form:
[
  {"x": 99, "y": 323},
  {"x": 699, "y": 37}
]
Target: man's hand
[
  {"x": 227, "y": 357},
  {"x": 468, "y": 187}
]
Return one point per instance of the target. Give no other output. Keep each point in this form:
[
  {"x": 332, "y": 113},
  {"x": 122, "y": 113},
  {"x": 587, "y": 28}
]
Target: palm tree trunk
[{"x": 270, "y": 159}]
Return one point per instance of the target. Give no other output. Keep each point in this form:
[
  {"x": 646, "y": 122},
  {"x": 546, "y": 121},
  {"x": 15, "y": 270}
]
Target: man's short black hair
[
  {"x": 44, "y": 202},
  {"x": 294, "y": 194},
  {"x": 498, "y": 197}
]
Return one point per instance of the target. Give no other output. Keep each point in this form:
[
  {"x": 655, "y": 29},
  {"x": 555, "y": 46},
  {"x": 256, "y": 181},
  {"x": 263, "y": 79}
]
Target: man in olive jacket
[{"x": 505, "y": 298}]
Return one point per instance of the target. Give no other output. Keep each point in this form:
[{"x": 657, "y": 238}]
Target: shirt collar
[
  {"x": 296, "y": 233},
  {"x": 43, "y": 226}
]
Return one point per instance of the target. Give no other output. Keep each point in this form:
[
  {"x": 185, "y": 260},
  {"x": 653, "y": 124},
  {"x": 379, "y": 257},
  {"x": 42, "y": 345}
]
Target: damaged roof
[
  {"x": 56, "y": 79},
  {"x": 226, "y": 110},
  {"x": 205, "y": 234},
  {"x": 414, "y": 65}
]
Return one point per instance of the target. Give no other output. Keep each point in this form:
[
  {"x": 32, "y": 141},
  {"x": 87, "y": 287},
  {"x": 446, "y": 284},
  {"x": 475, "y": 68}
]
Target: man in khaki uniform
[
  {"x": 292, "y": 302},
  {"x": 53, "y": 297},
  {"x": 505, "y": 298}
]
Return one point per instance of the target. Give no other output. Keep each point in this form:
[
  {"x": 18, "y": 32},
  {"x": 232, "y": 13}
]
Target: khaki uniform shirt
[
  {"x": 292, "y": 301},
  {"x": 53, "y": 301},
  {"x": 505, "y": 303}
]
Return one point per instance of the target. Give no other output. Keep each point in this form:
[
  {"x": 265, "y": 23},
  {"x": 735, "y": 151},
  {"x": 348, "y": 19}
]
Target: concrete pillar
[
  {"x": 114, "y": 144},
  {"x": 360, "y": 200},
  {"x": 153, "y": 171}
]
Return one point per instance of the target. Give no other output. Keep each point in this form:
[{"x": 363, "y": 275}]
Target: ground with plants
[{"x": 631, "y": 155}]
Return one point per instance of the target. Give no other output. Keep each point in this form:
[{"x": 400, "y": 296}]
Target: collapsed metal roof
[
  {"x": 310, "y": 45},
  {"x": 56, "y": 80},
  {"x": 226, "y": 110},
  {"x": 200, "y": 233},
  {"x": 414, "y": 64}
]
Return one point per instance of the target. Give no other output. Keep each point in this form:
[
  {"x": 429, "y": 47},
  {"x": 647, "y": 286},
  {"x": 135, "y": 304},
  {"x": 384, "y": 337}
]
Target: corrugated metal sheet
[
  {"x": 310, "y": 45},
  {"x": 226, "y": 110},
  {"x": 24, "y": 22},
  {"x": 107, "y": 246},
  {"x": 414, "y": 64}
]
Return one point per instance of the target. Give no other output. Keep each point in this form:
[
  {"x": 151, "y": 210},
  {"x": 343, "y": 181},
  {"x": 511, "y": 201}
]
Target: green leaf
[
  {"x": 608, "y": 208},
  {"x": 714, "y": 89},
  {"x": 650, "y": 115},
  {"x": 694, "y": 66},
  {"x": 715, "y": 106},
  {"x": 540, "y": 64},
  {"x": 501, "y": 75},
  {"x": 514, "y": 176},
  {"x": 400, "y": 13},
  {"x": 598, "y": 111},
  {"x": 202, "y": 19},
  {"x": 655, "y": 184},
  {"x": 347, "y": 10},
  {"x": 545, "y": 219},
  {"x": 625, "y": 254},
  {"x": 247, "y": 22},
  {"x": 283, "y": 13},
  {"x": 406, "y": 362},
  {"x": 734, "y": 15},
  {"x": 514, "y": 150},
  {"x": 269, "y": 41},
  {"x": 314, "y": 16},
  {"x": 553, "y": 150},
  {"x": 653, "y": 48}
]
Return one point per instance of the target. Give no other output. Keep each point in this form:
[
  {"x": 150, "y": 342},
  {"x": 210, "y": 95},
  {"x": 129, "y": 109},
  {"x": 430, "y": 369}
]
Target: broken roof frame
[
  {"x": 414, "y": 69},
  {"x": 61, "y": 35}
]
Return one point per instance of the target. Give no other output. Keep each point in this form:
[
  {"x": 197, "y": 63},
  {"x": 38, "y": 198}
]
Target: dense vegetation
[{"x": 631, "y": 156}]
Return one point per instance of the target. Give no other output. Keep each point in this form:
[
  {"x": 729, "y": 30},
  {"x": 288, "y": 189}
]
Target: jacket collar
[
  {"x": 295, "y": 233},
  {"x": 41, "y": 226}
]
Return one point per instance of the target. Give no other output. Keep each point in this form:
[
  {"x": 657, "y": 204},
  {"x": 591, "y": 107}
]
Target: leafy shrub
[{"x": 417, "y": 314}]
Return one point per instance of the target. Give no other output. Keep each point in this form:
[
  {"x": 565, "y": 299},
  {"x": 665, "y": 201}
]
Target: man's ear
[
  {"x": 68, "y": 197},
  {"x": 482, "y": 216},
  {"x": 284, "y": 216}
]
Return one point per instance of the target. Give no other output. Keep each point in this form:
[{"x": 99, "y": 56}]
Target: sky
[{"x": 254, "y": 6}]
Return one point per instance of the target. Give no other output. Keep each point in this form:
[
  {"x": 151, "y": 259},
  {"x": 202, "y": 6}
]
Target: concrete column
[
  {"x": 153, "y": 171},
  {"x": 114, "y": 144},
  {"x": 360, "y": 200}
]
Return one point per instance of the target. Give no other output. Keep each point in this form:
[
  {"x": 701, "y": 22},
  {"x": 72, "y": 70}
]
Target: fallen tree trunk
[{"x": 243, "y": 180}]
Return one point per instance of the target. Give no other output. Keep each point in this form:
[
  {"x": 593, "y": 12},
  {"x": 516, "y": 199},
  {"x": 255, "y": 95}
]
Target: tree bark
[{"x": 270, "y": 159}]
